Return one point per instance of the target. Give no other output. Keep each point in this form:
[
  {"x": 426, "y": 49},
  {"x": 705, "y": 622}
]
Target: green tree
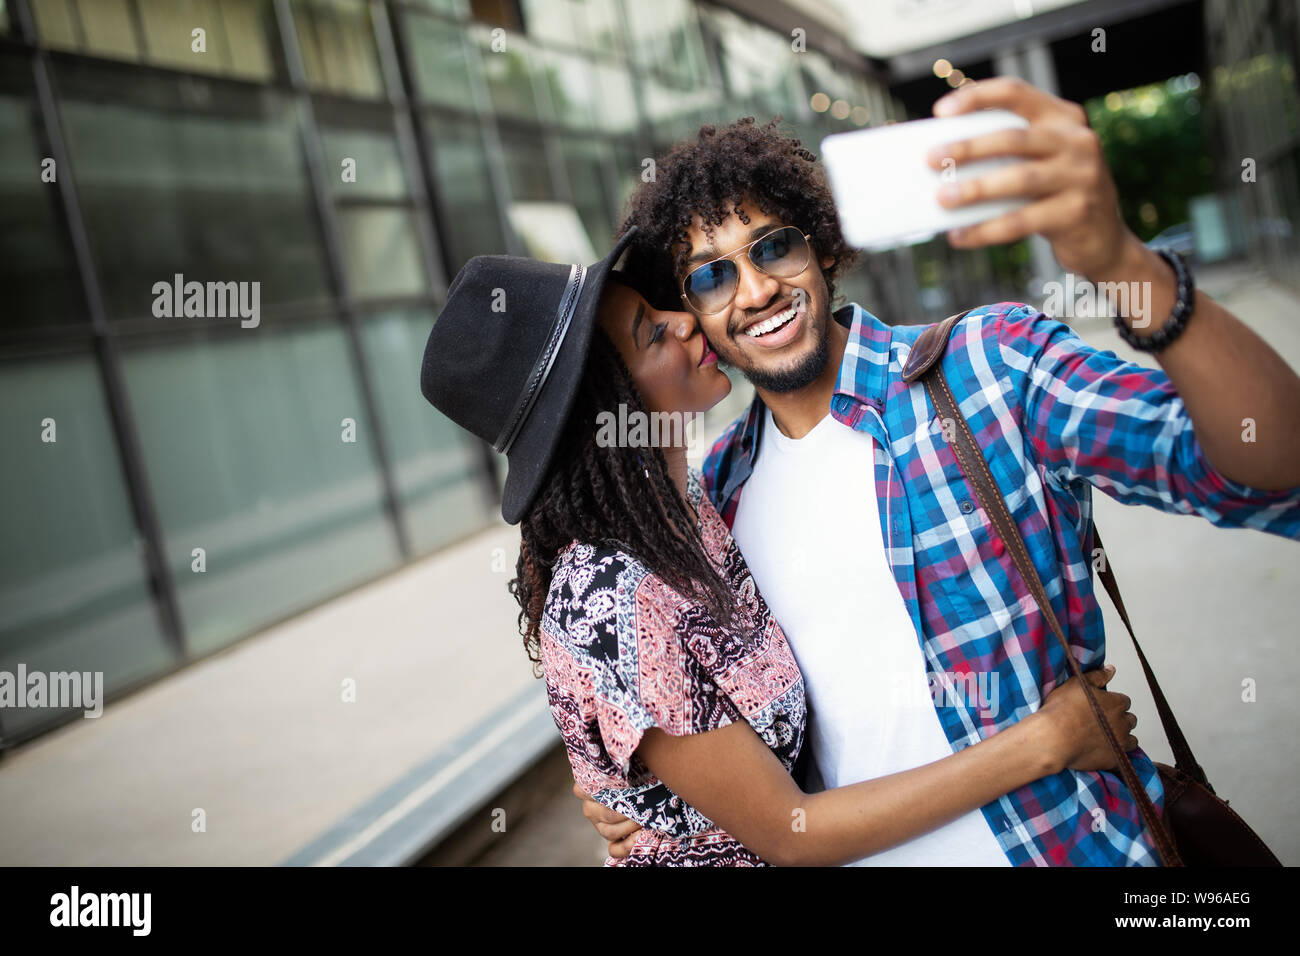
[{"x": 1154, "y": 141}]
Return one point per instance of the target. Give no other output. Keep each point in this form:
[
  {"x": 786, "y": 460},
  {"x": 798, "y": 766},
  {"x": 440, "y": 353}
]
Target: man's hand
[
  {"x": 616, "y": 829},
  {"x": 1077, "y": 205},
  {"x": 1225, "y": 373}
]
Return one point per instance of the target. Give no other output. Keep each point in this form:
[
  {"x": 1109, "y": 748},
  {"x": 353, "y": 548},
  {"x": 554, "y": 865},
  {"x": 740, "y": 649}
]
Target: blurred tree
[{"x": 1154, "y": 141}]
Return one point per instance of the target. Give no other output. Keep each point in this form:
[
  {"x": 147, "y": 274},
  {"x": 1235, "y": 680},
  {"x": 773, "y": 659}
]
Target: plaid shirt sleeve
[{"x": 1090, "y": 415}]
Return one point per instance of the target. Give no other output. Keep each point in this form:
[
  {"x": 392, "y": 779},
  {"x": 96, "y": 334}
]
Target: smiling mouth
[{"x": 772, "y": 323}]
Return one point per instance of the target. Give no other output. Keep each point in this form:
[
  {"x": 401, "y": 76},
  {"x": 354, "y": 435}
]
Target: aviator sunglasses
[{"x": 783, "y": 253}]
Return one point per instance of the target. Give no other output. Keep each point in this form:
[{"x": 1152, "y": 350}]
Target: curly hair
[
  {"x": 601, "y": 496},
  {"x": 708, "y": 178}
]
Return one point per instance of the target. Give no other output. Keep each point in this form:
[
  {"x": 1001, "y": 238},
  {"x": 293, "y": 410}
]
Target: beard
[{"x": 800, "y": 375}]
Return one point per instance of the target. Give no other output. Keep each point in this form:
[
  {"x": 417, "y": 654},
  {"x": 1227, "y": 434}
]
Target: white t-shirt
[{"x": 811, "y": 537}]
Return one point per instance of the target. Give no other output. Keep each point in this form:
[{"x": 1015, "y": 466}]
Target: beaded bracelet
[{"x": 1177, "y": 321}]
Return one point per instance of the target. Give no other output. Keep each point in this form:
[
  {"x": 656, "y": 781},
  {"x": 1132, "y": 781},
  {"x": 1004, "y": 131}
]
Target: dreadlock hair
[
  {"x": 601, "y": 496},
  {"x": 708, "y": 178}
]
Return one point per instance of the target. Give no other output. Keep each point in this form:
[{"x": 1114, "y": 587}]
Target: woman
[{"x": 680, "y": 703}]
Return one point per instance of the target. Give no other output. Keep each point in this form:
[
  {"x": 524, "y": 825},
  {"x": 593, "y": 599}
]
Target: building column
[{"x": 1032, "y": 62}]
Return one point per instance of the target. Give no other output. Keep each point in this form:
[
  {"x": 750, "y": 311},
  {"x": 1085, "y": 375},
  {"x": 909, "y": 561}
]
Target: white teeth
[{"x": 774, "y": 322}]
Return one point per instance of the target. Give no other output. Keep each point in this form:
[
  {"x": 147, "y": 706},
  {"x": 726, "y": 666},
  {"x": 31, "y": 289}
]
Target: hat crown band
[{"x": 545, "y": 361}]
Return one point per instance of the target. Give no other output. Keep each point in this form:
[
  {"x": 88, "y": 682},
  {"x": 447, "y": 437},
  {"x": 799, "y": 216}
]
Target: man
[{"x": 859, "y": 526}]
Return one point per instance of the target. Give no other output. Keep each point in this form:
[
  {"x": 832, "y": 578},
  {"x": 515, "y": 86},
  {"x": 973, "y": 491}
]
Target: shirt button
[
  {"x": 998, "y": 547},
  {"x": 966, "y": 506}
]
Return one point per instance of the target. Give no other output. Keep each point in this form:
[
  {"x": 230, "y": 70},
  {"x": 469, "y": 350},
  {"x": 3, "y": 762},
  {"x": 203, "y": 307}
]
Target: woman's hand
[
  {"x": 617, "y": 830},
  {"x": 1077, "y": 738}
]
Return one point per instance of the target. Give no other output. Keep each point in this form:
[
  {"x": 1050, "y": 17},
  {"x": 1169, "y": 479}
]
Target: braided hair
[{"x": 601, "y": 496}]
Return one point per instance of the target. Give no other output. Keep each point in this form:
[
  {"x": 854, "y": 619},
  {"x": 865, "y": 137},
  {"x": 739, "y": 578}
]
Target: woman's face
[{"x": 671, "y": 362}]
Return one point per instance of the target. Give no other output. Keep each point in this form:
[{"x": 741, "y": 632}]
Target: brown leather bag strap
[
  {"x": 1184, "y": 760},
  {"x": 989, "y": 495}
]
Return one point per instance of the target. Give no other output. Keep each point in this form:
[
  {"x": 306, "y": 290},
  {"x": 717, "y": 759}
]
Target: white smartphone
[{"x": 885, "y": 190}]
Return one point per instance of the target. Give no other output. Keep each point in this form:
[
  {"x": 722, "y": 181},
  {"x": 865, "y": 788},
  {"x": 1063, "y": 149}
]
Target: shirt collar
[{"x": 864, "y": 371}]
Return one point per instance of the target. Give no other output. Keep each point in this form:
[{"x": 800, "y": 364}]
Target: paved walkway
[{"x": 258, "y": 737}]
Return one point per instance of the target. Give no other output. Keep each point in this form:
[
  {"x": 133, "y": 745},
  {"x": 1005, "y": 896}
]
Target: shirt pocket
[{"x": 945, "y": 512}]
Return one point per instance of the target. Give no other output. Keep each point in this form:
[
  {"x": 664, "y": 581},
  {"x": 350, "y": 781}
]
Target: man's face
[{"x": 789, "y": 356}]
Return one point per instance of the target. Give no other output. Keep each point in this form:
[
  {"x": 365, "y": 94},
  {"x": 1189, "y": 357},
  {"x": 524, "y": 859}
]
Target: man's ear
[{"x": 827, "y": 262}]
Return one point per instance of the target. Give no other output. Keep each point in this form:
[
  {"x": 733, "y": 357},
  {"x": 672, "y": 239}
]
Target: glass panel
[
  {"x": 381, "y": 251},
  {"x": 570, "y": 86},
  {"x": 667, "y": 41},
  {"x": 437, "y": 464},
  {"x": 551, "y": 232},
  {"x": 616, "y": 110},
  {"x": 248, "y": 458},
  {"x": 54, "y": 24},
  {"x": 338, "y": 46},
  {"x": 470, "y": 217},
  {"x": 628, "y": 168},
  {"x": 820, "y": 75},
  {"x": 74, "y": 593},
  {"x": 588, "y": 164},
  {"x": 600, "y": 28},
  {"x": 678, "y": 114},
  {"x": 235, "y": 38},
  {"x": 509, "y": 73},
  {"x": 758, "y": 65},
  {"x": 108, "y": 29},
  {"x": 37, "y": 271},
  {"x": 379, "y": 172},
  {"x": 526, "y": 168},
  {"x": 550, "y": 21},
  {"x": 193, "y": 178},
  {"x": 250, "y": 33},
  {"x": 168, "y": 26},
  {"x": 442, "y": 61}
]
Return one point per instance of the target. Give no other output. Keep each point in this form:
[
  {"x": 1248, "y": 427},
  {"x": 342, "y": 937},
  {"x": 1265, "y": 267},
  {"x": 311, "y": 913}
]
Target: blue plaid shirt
[{"x": 1054, "y": 417}]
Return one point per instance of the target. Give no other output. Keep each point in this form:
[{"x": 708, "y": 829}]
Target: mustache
[{"x": 799, "y": 302}]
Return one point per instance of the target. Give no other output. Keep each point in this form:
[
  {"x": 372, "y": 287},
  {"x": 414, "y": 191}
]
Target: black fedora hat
[{"x": 506, "y": 354}]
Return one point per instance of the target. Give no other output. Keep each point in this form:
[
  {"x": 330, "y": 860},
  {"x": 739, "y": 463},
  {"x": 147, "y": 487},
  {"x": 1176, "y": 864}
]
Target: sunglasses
[{"x": 784, "y": 252}]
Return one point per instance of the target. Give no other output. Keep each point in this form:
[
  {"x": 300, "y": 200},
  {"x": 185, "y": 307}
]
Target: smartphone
[{"x": 885, "y": 190}]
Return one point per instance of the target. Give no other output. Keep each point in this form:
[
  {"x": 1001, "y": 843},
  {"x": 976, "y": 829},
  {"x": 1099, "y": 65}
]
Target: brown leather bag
[{"x": 1199, "y": 828}]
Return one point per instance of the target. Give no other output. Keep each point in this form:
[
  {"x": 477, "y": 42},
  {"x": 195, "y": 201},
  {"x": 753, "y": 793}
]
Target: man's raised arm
[{"x": 1241, "y": 396}]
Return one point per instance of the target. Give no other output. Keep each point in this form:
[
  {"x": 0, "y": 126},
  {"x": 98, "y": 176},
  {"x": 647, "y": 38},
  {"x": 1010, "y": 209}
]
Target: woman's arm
[{"x": 731, "y": 777}]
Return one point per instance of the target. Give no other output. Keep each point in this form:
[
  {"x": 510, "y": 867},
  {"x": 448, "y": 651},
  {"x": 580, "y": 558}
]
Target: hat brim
[{"x": 534, "y": 448}]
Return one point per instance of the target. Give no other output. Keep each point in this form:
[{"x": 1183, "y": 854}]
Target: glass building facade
[
  {"x": 171, "y": 483},
  {"x": 1254, "y": 120}
]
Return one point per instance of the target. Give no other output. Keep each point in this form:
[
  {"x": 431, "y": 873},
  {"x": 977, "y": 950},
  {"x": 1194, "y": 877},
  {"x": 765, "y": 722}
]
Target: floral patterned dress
[{"x": 622, "y": 651}]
